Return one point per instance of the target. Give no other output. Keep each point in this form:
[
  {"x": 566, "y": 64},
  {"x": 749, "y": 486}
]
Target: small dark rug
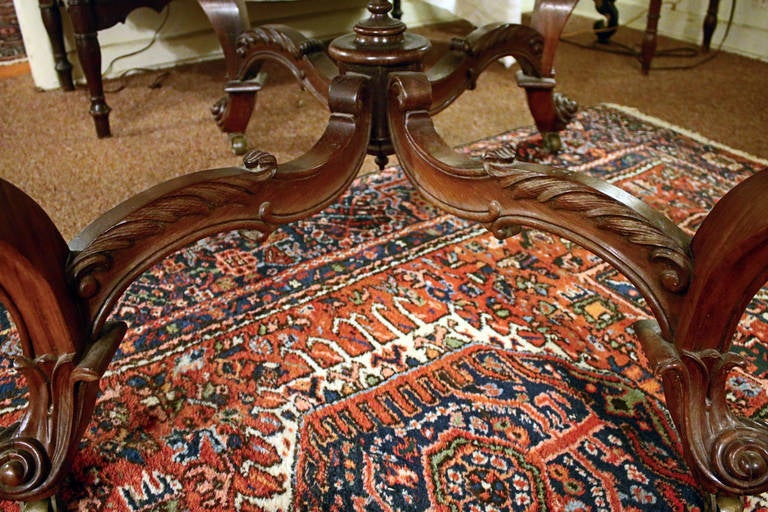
[
  {"x": 11, "y": 43},
  {"x": 385, "y": 356}
]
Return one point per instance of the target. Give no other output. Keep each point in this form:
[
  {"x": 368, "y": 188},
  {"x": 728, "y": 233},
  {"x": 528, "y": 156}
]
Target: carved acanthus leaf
[
  {"x": 501, "y": 36},
  {"x": 561, "y": 189},
  {"x": 156, "y": 217},
  {"x": 507, "y": 38},
  {"x": 269, "y": 37}
]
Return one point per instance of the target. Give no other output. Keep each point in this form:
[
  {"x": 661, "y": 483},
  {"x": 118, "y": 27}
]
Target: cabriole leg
[
  {"x": 61, "y": 365},
  {"x": 51, "y": 14},
  {"x": 727, "y": 453}
]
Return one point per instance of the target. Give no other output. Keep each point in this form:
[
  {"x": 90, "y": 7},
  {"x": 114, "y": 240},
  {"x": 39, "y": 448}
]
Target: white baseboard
[
  {"x": 188, "y": 37},
  {"x": 683, "y": 20}
]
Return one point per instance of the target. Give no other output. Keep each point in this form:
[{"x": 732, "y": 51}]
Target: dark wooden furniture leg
[
  {"x": 88, "y": 17},
  {"x": 710, "y": 23},
  {"x": 60, "y": 295},
  {"x": 229, "y": 19},
  {"x": 51, "y": 14},
  {"x": 604, "y": 29},
  {"x": 397, "y": 9},
  {"x": 89, "y": 54},
  {"x": 551, "y": 111},
  {"x": 648, "y": 47}
]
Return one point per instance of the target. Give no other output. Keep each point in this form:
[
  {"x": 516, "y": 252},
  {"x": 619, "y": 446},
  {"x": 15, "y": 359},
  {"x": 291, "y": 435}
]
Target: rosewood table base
[
  {"x": 315, "y": 66},
  {"x": 60, "y": 295}
]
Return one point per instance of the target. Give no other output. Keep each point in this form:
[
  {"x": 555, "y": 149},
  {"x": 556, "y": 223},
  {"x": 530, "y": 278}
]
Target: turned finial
[
  {"x": 379, "y": 29},
  {"x": 379, "y": 40}
]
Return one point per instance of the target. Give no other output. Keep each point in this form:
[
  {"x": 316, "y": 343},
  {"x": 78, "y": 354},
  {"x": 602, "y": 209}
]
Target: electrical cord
[
  {"x": 158, "y": 81},
  {"x": 622, "y": 49}
]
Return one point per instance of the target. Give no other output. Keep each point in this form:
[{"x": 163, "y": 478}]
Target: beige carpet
[{"x": 49, "y": 147}]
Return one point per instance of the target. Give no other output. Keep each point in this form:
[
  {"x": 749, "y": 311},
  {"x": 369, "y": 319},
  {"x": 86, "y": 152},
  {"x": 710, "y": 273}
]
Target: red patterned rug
[
  {"x": 11, "y": 43},
  {"x": 385, "y": 356}
]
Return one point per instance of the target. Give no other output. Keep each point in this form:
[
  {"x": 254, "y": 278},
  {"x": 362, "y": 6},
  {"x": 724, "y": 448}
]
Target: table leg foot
[
  {"x": 238, "y": 142},
  {"x": 51, "y": 504},
  {"x": 720, "y": 503}
]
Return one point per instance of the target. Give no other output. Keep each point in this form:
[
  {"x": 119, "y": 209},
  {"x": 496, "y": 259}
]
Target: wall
[
  {"x": 683, "y": 19},
  {"x": 187, "y": 35}
]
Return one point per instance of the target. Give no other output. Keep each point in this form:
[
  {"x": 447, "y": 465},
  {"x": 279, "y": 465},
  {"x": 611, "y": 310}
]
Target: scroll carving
[
  {"x": 565, "y": 108},
  {"x": 562, "y": 189},
  {"x": 34, "y": 453},
  {"x": 270, "y": 36},
  {"x": 727, "y": 453},
  {"x": 491, "y": 40},
  {"x": 304, "y": 57}
]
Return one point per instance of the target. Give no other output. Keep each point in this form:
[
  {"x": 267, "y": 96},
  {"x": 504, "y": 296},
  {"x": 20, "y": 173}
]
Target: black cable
[{"x": 679, "y": 52}]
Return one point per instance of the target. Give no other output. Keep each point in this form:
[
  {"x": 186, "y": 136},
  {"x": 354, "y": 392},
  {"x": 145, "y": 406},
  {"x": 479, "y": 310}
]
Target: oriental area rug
[{"x": 386, "y": 356}]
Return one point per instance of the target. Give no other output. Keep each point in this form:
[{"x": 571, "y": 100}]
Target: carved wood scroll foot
[
  {"x": 61, "y": 365},
  {"x": 233, "y": 111},
  {"x": 60, "y": 296},
  {"x": 727, "y": 453}
]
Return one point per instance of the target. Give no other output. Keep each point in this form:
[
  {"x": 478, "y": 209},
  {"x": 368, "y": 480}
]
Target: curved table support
[
  {"x": 686, "y": 283},
  {"x": 505, "y": 194},
  {"x": 60, "y": 296},
  {"x": 728, "y": 454},
  {"x": 302, "y": 56},
  {"x": 459, "y": 70},
  {"x": 551, "y": 111}
]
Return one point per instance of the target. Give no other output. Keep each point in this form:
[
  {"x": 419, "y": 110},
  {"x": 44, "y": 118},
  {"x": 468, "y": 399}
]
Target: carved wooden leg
[
  {"x": 710, "y": 23},
  {"x": 51, "y": 14},
  {"x": 229, "y": 19},
  {"x": 303, "y": 57},
  {"x": 60, "y": 362},
  {"x": 550, "y": 112},
  {"x": 728, "y": 454},
  {"x": 504, "y": 195},
  {"x": 648, "y": 48},
  {"x": 233, "y": 112},
  {"x": 60, "y": 296},
  {"x": 89, "y": 53},
  {"x": 122, "y": 243}
]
